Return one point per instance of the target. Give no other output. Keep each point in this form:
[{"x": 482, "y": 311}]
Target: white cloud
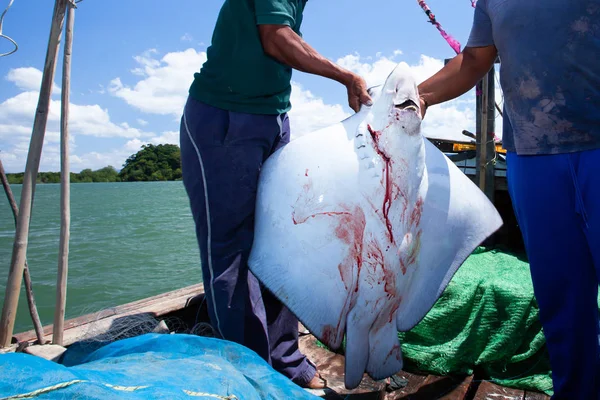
[
  {"x": 186, "y": 38},
  {"x": 168, "y": 137},
  {"x": 163, "y": 89},
  {"x": 310, "y": 112},
  {"x": 17, "y": 114},
  {"x": 89, "y": 120},
  {"x": 96, "y": 160},
  {"x": 133, "y": 145},
  {"x": 443, "y": 121},
  {"x": 159, "y": 85},
  {"x": 28, "y": 78},
  {"x": 374, "y": 73},
  {"x": 14, "y": 156}
]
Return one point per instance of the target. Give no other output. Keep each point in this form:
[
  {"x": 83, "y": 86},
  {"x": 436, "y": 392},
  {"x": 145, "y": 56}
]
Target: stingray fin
[
  {"x": 457, "y": 217},
  {"x": 308, "y": 239},
  {"x": 385, "y": 356},
  {"x": 302, "y": 294},
  {"x": 357, "y": 350}
]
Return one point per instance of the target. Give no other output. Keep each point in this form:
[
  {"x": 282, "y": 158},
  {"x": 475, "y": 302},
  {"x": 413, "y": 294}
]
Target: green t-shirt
[{"x": 238, "y": 75}]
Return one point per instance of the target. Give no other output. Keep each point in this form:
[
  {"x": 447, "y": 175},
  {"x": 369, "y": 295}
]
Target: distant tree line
[{"x": 152, "y": 163}]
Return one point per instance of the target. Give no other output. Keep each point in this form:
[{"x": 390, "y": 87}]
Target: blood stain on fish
[
  {"x": 329, "y": 335},
  {"x": 374, "y": 254},
  {"x": 350, "y": 229},
  {"x": 388, "y": 184},
  {"x": 304, "y": 219},
  {"x": 396, "y": 350},
  {"x": 415, "y": 216},
  {"x": 389, "y": 278}
]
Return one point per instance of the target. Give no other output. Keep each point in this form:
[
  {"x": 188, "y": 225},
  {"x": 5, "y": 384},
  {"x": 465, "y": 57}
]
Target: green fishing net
[{"x": 486, "y": 321}]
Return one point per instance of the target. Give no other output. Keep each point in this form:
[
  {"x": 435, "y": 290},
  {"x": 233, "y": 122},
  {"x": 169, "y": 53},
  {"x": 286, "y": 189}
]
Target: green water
[{"x": 128, "y": 241}]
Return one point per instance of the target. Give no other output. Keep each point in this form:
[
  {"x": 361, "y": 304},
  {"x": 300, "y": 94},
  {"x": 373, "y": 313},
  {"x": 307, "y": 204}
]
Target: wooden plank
[
  {"x": 156, "y": 306},
  {"x": 414, "y": 383},
  {"x": 535, "y": 396},
  {"x": 461, "y": 391},
  {"x": 331, "y": 367},
  {"x": 433, "y": 388},
  {"x": 439, "y": 387},
  {"x": 491, "y": 391}
]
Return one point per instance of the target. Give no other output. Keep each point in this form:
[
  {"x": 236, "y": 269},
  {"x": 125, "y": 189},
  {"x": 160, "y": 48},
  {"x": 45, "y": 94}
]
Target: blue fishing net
[{"x": 151, "y": 366}]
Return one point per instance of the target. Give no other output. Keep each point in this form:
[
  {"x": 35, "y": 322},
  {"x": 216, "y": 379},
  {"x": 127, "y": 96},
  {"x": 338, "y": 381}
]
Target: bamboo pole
[
  {"x": 17, "y": 264},
  {"x": 35, "y": 317},
  {"x": 65, "y": 201}
]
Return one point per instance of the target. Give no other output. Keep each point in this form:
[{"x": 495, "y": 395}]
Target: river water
[{"x": 128, "y": 241}]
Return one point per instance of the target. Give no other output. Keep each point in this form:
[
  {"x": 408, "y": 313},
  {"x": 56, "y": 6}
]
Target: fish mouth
[{"x": 408, "y": 105}]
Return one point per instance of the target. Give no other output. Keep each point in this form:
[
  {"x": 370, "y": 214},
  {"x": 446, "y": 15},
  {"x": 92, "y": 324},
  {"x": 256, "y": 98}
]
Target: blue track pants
[
  {"x": 221, "y": 156},
  {"x": 556, "y": 199}
]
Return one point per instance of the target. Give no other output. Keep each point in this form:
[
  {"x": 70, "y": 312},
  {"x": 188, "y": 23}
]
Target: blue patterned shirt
[{"x": 550, "y": 71}]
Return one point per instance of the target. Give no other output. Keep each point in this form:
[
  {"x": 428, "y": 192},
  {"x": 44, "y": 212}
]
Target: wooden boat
[
  {"x": 184, "y": 308},
  {"x": 181, "y": 310}
]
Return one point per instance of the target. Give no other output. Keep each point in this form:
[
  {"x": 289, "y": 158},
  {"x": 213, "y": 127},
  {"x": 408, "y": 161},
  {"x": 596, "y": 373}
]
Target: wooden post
[
  {"x": 486, "y": 123},
  {"x": 485, "y": 146},
  {"x": 484, "y": 168},
  {"x": 35, "y": 317},
  {"x": 483, "y": 134},
  {"x": 17, "y": 264},
  {"x": 490, "y": 188},
  {"x": 65, "y": 201}
]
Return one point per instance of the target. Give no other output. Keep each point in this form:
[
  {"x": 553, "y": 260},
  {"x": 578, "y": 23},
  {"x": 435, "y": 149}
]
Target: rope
[
  {"x": 4, "y": 36},
  {"x": 63, "y": 385},
  {"x": 455, "y": 44},
  {"x": 449, "y": 39},
  {"x": 43, "y": 390},
  {"x": 214, "y": 396}
]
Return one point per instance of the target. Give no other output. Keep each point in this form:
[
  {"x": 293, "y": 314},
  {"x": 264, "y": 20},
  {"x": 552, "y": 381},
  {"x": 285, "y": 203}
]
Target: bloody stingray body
[{"x": 361, "y": 225}]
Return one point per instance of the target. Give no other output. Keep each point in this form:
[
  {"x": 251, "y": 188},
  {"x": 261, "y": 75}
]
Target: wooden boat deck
[
  {"x": 414, "y": 386},
  {"x": 182, "y": 305}
]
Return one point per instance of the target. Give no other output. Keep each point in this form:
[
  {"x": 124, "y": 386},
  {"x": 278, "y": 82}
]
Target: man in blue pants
[
  {"x": 550, "y": 76},
  {"x": 235, "y": 117}
]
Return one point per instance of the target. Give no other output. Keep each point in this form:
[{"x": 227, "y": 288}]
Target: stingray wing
[
  {"x": 304, "y": 205},
  {"x": 456, "y": 218}
]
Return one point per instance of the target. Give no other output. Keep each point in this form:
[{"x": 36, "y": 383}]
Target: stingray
[{"x": 360, "y": 226}]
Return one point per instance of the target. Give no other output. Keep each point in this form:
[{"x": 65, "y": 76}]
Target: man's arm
[
  {"x": 458, "y": 76},
  {"x": 466, "y": 69},
  {"x": 284, "y": 45}
]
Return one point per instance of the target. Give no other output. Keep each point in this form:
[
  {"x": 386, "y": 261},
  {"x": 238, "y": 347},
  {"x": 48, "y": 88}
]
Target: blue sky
[{"x": 134, "y": 60}]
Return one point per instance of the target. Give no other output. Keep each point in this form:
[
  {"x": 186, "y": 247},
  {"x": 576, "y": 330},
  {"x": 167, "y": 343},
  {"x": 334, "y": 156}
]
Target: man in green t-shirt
[{"x": 234, "y": 119}]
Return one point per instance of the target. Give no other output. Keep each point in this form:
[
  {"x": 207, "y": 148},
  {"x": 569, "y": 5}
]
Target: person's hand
[
  {"x": 357, "y": 92},
  {"x": 423, "y": 106}
]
